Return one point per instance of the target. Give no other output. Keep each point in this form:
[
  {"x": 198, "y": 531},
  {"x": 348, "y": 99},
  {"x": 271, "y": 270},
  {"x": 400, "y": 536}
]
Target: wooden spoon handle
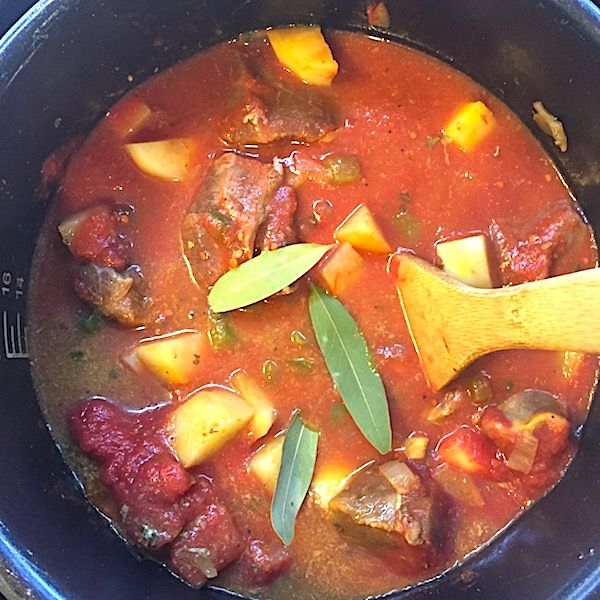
[{"x": 560, "y": 313}]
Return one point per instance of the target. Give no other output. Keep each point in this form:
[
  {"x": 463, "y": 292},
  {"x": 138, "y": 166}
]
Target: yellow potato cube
[
  {"x": 341, "y": 269},
  {"x": 467, "y": 260},
  {"x": 164, "y": 159},
  {"x": 205, "y": 422},
  {"x": 361, "y": 231},
  {"x": 304, "y": 51},
  {"x": 328, "y": 482},
  {"x": 471, "y": 124},
  {"x": 175, "y": 359},
  {"x": 266, "y": 462},
  {"x": 265, "y": 413},
  {"x": 415, "y": 447}
]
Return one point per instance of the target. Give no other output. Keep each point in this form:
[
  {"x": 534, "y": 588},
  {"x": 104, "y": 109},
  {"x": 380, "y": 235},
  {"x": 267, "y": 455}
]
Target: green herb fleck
[
  {"x": 298, "y": 338},
  {"x": 480, "y": 389},
  {"x": 77, "y": 355},
  {"x": 222, "y": 219},
  {"x": 405, "y": 198},
  {"x": 149, "y": 536},
  {"x": 343, "y": 169},
  {"x": 337, "y": 413},
  {"x": 90, "y": 322},
  {"x": 407, "y": 224},
  {"x": 114, "y": 374},
  {"x": 302, "y": 364},
  {"x": 509, "y": 385},
  {"x": 269, "y": 369},
  {"x": 220, "y": 332}
]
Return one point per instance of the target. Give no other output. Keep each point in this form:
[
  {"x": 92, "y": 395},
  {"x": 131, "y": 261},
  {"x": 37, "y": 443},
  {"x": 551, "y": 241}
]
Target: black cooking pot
[{"x": 67, "y": 61}]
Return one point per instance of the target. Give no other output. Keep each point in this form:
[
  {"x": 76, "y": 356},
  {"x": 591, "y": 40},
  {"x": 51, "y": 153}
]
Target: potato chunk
[
  {"x": 174, "y": 358},
  {"x": 328, "y": 482},
  {"x": 266, "y": 462},
  {"x": 304, "y": 51},
  {"x": 265, "y": 413},
  {"x": 164, "y": 159},
  {"x": 361, "y": 231},
  {"x": 341, "y": 270},
  {"x": 467, "y": 260},
  {"x": 471, "y": 124},
  {"x": 205, "y": 422}
]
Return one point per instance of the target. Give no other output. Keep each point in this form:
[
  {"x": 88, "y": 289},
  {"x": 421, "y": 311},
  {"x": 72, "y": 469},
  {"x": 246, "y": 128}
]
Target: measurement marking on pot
[{"x": 15, "y": 337}]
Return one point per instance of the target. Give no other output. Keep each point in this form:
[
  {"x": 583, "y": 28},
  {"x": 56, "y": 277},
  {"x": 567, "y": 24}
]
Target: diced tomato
[
  {"x": 263, "y": 562},
  {"x": 552, "y": 432},
  {"x": 207, "y": 545},
  {"x": 470, "y": 451},
  {"x": 164, "y": 478},
  {"x": 498, "y": 428},
  {"x": 96, "y": 240},
  {"x": 100, "y": 428}
]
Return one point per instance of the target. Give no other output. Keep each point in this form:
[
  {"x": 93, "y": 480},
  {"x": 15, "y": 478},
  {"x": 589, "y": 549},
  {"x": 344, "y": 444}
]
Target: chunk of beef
[
  {"x": 263, "y": 561},
  {"x": 388, "y": 499},
  {"x": 270, "y": 108},
  {"x": 277, "y": 230},
  {"x": 536, "y": 253},
  {"x": 116, "y": 295},
  {"x": 220, "y": 228},
  {"x": 208, "y": 544}
]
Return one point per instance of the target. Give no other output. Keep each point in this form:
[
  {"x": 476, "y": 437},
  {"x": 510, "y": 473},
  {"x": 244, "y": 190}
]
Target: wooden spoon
[{"x": 452, "y": 324}]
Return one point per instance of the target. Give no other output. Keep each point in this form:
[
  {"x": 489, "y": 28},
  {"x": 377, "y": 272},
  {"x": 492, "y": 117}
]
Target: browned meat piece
[
  {"x": 220, "y": 227},
  {"x": 208, "y": 544},
  {"x": 277, "y": 230},
  {"x": 383, "y": 501},
  {"x": 538, "y": 252},
  {"x": 116, "y": 295},
  {"x": 267, "y": 109}
]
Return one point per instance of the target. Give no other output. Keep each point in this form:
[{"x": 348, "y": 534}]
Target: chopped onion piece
[
  {"x": 68, "y": 228},
  {"x": 459, "y": 485},
  {"x": 447, "y": 407},
  {"x": 402, "y": 479},
  {"x": 523, "y": 455}
]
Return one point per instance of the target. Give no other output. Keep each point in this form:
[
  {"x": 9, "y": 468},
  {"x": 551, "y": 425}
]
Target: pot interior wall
[{"x": 66, "y": 63}]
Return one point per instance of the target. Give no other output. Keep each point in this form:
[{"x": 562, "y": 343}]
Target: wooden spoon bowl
[{"x": 452, "y": 324}]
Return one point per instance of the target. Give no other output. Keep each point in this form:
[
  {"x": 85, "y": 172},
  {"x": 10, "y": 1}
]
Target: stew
[{"x": 216, "y": 335}]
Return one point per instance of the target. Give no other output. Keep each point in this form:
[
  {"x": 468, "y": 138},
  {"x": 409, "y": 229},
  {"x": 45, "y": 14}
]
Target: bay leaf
[
  {"x": 295, "y": 474},
  {"x": 263, "y": 276},
  {"x": 347, "y": 358}
]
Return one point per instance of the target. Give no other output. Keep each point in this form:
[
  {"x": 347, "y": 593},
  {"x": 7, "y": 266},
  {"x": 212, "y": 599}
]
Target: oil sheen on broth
[{"x": 261, "y": 150}]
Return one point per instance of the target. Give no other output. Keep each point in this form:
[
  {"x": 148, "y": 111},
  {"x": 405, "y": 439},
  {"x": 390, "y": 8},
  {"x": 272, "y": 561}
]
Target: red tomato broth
[{"x": 392, "y": 100}]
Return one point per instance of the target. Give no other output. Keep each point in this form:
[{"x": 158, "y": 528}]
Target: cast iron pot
[{"x": 66, "y": 62}]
